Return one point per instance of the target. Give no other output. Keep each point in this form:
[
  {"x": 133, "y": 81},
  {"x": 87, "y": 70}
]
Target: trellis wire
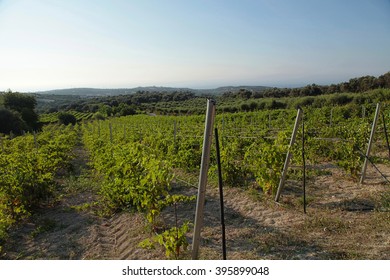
[{"x": 186, "y": 182}]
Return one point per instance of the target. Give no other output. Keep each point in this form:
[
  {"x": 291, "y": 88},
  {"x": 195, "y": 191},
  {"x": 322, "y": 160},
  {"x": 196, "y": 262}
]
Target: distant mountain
[{"x": 88, "y": 92}]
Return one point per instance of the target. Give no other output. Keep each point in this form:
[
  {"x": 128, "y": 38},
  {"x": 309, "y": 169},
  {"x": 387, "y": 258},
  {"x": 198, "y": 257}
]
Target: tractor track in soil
[{"x": 63, "y": 229}]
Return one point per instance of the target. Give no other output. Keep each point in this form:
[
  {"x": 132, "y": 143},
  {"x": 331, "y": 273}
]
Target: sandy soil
[{"x": 344, "y": 220}]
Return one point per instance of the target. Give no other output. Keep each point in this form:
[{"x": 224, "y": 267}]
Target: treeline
[
  {"x": 123, "y": 105},
  {"x": 355, "y": 85},
  {"x": 351, "y": 100},
  {"x": 186, "y": 102},
  {"x": 17, "y": 113}
]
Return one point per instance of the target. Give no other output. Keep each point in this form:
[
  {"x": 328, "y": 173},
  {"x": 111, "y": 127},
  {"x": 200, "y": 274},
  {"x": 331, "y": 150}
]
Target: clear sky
[{"x": 48, "y": 44}]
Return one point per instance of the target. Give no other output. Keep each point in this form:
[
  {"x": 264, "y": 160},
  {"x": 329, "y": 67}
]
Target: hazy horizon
[{"x": 196, "y": 44}]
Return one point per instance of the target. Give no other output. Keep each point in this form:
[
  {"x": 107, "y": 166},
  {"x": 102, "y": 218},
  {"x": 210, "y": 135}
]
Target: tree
[
  {"x": 253, "y": 106},
  {"x": 18, "y": 101},
  {"x": 125, "y": 110},
  {"x": 244, "y": 107},
  {"x": 106, "y": 110},
  {"x": 25, "y": 105},
  {"x": 67, "y": 118},
  {"x": 11, "y": 121},
  {"x": 384, "y": 80}
]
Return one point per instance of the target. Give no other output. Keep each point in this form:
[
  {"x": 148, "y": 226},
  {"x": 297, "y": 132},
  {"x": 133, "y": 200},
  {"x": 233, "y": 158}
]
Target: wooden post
[
  {"x": 208, "y": 133},
  {"x": 366, "y": 159},
  {"x": 289, "y": 154}
]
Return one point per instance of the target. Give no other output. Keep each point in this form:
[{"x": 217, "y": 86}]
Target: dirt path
[{"x": 69, "y": 228}]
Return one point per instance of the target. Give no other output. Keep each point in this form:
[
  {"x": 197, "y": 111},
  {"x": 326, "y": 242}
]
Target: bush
[
  {"x": 98, "y": 116},
  {"x": 67, "y": 118},
  {"x": 11, "y": 121},
  {"x": 24, "y": 105}
]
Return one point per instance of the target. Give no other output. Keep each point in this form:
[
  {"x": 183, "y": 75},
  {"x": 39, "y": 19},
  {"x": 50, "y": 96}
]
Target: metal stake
[
  {"x": 220, "y": 186},
  {"x": 385, "y": 130},
  {"x": 304, "y": 165}
]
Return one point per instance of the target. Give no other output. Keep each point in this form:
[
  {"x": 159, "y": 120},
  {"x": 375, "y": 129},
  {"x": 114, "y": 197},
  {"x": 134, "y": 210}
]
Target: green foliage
[
  {"x": 266, "y": 162},
  {"x": 189, "y": 153},
  {"x": 27, "y": 171},
  {"x": 54, "y": 116},
  {"x": 25, "y": 105},
  {"x": 125, "y": 110},
  {"x": 67, "y": 118},
  {"x": 174, "y": 241},
  {"x": 234, "y": 173},
  {"x": 11, "y": 121},
  {"x": 19, "y": 101},
  {"x": 98, "y": 116},
  {"x": 131, "y": 177},
  {"x": 349, "y": 136},
  {"x": 136, "y": 165}
]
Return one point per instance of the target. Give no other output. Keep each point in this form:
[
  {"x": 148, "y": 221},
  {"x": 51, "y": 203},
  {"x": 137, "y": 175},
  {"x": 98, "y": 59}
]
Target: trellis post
[
  {"x": 366, "y": 159},
  {"x": 204, "y": 166},
  {"x": 289, "y": 154}
]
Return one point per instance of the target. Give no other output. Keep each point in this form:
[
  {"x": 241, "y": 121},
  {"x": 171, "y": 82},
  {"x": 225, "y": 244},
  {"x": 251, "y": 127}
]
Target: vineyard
[
  {"x": 53, "y": 117},
  {"x": 131, "y": 182}
]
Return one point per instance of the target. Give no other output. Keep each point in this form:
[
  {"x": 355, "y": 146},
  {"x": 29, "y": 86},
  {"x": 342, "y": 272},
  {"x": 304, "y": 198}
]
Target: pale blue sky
[{"x": 47, "y": 44}]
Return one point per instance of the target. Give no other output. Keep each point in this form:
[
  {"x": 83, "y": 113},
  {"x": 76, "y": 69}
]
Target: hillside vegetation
[{"x": 117, "y": 183}]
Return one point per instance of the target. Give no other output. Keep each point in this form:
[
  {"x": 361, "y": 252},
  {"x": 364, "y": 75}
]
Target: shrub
[{"x": 67, "y": 118}]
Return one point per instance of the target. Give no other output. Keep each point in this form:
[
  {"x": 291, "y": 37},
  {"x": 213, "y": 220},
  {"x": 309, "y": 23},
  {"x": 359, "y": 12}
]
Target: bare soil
[{"x": 344, "y": 220}]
